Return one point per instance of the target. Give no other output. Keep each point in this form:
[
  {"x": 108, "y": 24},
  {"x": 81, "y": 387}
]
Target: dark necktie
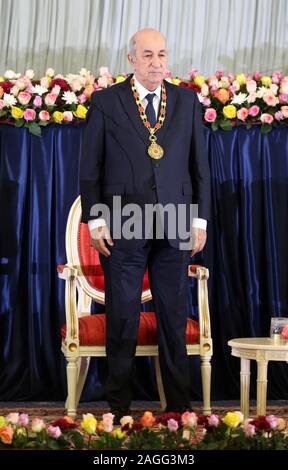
[{"x": 150, "y": 111}]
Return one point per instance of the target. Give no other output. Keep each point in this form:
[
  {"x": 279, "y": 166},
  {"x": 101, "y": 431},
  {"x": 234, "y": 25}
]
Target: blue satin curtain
[{"x": 247, "y": 254}]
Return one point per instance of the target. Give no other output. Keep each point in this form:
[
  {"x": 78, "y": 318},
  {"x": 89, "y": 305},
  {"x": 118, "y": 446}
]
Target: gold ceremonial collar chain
[{"x": 155, "y": 150}]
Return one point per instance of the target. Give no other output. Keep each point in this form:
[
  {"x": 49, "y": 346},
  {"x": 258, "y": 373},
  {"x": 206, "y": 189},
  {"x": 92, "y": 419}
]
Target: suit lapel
[
  {"x": 130, "y": 108},
  {"x": 170, "y": 112}
]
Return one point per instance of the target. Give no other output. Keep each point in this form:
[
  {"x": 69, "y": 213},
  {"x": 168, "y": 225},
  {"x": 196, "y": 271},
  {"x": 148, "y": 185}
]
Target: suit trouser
[{"x": 123, "y": 271}]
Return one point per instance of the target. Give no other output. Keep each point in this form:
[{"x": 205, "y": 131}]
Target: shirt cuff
[
  {"x": 95, "y": 223},
  {"x": 199, "y": 223}
]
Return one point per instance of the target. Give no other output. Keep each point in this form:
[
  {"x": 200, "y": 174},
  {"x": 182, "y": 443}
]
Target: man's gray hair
[{"x": 132, "y": 44}]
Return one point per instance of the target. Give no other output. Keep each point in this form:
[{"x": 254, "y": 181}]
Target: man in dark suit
[{"x": 144, "y": 142}]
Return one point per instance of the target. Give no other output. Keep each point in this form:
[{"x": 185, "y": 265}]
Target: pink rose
[
  {"x": 213, "y": 420},
  {"x": 284, "y": 111},
  {"x": 12, "y": 418},
  {"x": 193, "y": 73},
  {"x": 276, "y": 77},
  {"x": 23, "y": 419},
  {"x": 210, "y": 115},
  {"x": 251, "y": 86},
  {"x": 50, "y": 99},
  {"x": 189, "y": 419},
  {"x": 14, "y": 90},
  {"x": 45, "y": 82},
  {"x": 278, "y": 116},
  {"x": 270, "y": 99},
  {"x": 251, "y": 98},
  {"x": 108, "y": 422},
  {"x": 257, "y": 75},
  {"x": 37, "y": 101},
  {"x": 29, "y": 114},
  {"x": 231, "y": 77},
  {"x": 284, "y": 86},
  {"x": 24, "y": 97},
  {"x": 44, "y": 116},
  {"x": 204, "y": 89},
  {"x": 76, "y": 85},
  {"x": 272, "y": 421},
  {"x": 54, "y": 431},
  {"x": 172, "y": 425},
  {"x": 213, "y": 82},
  {"x": 219, "y": 73},
  {"x": 254, "y": 110},
  {"x": 104, "y": 72},
  {"x": 82, "y": 99},
  {"x": 266, "y": 118},
  {"x": 168, "y": 74},
  {"x": 206, "y": 101},
  {"x": 103, "y": 82},
  {"x": 56, "y": 90},
  {"x": 232, "y": 89},
  {"x": 283, "y": 98},
  {"x": 67, "y": 116},
  {"x": 22, "y": 83},
  {"x": 242, "y": 114},
  {"x": 37, "y": 425},
  {"x": 249, "y": 430},
  {"x": 2, "y": 104}
]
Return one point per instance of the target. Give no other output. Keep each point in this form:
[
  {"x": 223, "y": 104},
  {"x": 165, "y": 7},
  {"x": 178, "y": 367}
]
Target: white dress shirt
[{"x": 197, "y": 222}]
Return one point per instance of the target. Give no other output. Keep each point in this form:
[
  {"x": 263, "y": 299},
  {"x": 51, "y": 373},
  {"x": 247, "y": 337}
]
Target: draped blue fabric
[{"x": 247, "y": 254}]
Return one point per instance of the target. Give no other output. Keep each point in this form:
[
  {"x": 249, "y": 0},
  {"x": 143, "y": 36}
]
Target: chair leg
[
  {"x": 206, "y": 383},
  {"x": 72, "y": 372},
  {"x": 160, "y": 383},
  {"x": 83, "y": 365}
]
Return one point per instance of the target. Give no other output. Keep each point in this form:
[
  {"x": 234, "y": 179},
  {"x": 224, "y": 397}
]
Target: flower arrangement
[
  {"x": 169, "y": 431},
  {"x": 248, "y": 99},
  {"x": 227, "y": 100},
  {"x": 33, "y": 103}
]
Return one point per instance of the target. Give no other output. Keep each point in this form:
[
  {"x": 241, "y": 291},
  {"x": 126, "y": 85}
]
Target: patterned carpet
[{"x": 53, "y": 410}]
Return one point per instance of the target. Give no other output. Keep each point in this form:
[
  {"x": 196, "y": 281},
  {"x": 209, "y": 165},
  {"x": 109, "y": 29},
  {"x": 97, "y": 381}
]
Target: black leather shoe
[{"x": 119, "y": 413}]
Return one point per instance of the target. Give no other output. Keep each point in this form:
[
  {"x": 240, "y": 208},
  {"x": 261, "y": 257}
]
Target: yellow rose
[
  {"x": 229, "y": 111},
  {"x": 80, "y": 112},
  {"x": 175, "y": 81},
  {"x": 2, "y": 78},
  {"x": 118, "y": 433},
  {"x": 120, "y": 78},
  {"x": 16, "y": 112},
  {"x": 57, "y": 117},
  {"x": 199, "y": 80},
  {"x": 2, "y": 422},
  {"x": 232, "y": 420},
  {"x": 89, "y": 423},
  {"x": 266, "y": 81},
  {"x": 241, "y": 78}
]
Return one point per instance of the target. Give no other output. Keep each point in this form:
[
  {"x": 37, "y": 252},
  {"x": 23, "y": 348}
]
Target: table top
[{"x": 259, "y": 343}]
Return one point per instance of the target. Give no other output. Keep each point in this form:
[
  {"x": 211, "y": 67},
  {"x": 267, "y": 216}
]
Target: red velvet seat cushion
[
  {"x": 92, "y": 330},
  {"x": 90, "y": 264}
]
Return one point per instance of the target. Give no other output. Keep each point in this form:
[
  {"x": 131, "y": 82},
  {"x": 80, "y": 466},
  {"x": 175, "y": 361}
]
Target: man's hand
[
  {"x": 99, "y": 237},
  {"x": 198, "y": 240}
]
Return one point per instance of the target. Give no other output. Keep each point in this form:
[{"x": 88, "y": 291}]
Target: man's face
[{"x": 150, "y": 61}]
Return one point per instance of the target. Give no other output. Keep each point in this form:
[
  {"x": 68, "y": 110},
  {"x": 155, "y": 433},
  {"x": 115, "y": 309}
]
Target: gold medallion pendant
[{"x": 155, "y": 151}]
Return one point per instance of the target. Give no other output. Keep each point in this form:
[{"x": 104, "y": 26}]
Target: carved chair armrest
[{"x": 202, "y": 274}]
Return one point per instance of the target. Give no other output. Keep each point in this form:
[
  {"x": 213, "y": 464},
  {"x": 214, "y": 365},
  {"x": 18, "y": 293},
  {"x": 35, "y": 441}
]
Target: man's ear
[{"x": 131, "y": 59}]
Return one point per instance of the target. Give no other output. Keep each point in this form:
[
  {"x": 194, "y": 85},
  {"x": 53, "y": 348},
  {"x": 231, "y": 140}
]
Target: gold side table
[{"x": 261, "y": 350}]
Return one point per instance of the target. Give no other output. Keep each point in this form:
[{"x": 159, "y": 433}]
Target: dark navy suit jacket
[{"x": 115, "y": 159}]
